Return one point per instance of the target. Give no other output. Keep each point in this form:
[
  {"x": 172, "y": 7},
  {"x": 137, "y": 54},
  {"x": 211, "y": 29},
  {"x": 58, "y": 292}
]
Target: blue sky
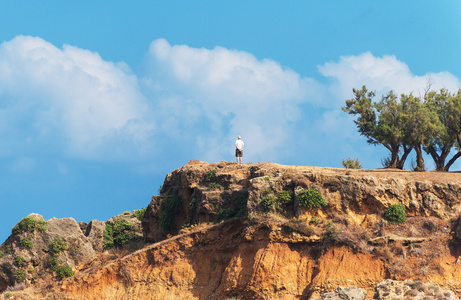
[{"x": 99, "y": 100}]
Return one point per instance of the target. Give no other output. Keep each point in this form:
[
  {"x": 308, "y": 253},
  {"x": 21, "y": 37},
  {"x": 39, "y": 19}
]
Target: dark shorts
[{"x": 238, "y": 153}]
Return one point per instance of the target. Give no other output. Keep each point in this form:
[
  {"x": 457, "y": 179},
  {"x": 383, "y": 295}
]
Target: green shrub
[
  {"x": 8, "y": 294},
  {"x": 241, "y": 206},
  {"x": 268, "y": 202},
  {"x": 193, "y": 205},
  {"x": 213, "y": 185},
  {"x": 169, "y": 207},
  {"x": 396, "y": 213},
  {"x": 28, "y": 224},
  {"x": 285, "y": 197},
  {"x": 267, "y": 191},
  {"x": 330, "y": 231},
  {"x": 267, "y": 178},
  {"x": 225, "y": 213},
  {"x": 139, "y": 213},
  {"x": 25, "y": 242},
  {"x": 19, "y": 260},
  {"x": 2, "y": 254},
  {"x": 210, "y": 176},
  {"x": 314, "y": 220},
  {"x": 53, "y": 262},
  {"x": 65, "y": 271},
  {"x": 118, "y": 234},
  {"x": 311, "y": 199},
  {"x": 126, "y": 213},
  {"x": 8, "y": 250},
  {"x": 58, "y": 245},
  {"x": 351, "y": 163},
  {"x": 19, "y": 275}
]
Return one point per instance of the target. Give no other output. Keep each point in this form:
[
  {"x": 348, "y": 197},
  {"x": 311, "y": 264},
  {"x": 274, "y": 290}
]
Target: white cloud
[
  {"x": 224, "y": 93},
  {"x": 186, "y": 103},
  {"x": 70, "y": 96},
  {"x": 381, "y": 74}
]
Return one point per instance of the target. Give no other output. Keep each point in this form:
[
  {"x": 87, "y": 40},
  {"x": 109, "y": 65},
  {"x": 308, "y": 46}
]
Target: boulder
[
  {"x": 95, "y": 234},
  {"x": 345, "y": 293},
  {"x": 409, "y": 289}
]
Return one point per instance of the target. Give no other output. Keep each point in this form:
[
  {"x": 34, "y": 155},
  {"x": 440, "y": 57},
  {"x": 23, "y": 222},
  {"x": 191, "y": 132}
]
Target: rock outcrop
[
  {"x": 212, "y": 238},
  {"x": 26, "y": 253},
  {"x": 37, "y": 248},
  {"x": 361, "y": 196}
]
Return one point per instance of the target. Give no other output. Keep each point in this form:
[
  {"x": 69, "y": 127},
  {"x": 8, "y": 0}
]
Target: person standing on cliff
[{"x": 239, "y": 149}]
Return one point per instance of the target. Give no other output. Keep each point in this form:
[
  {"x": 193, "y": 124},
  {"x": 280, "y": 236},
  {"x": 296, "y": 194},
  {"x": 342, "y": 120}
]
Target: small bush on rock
[
  {"x": 28, "y": 224},
  {"x": 53, "y": 262},
  {"x": 19, "y": 260},
  {"x": 118, "y": 234},
  {"x": 20, "y": 275},
  {"x": 65, "y": 271},
  {"x": 396, "y": 213},
  {"x": 225, "y": 213},
  {"x": 285, "y": 197},
  {"x": 210, "y": 176},
  {"x": 268, "y": 202},
  {"x": 139, "y": 213},
  {"x": 330, "y": 231},
  {"x": 58, "y": 245},
  {"x": 311, "y": 199},
  {"x": 351, "y": 163},
  {"x": 25, "y": 242},
  {"x": 238, "y": 210},
  {"x": 169, "y": 207},
  {"x": 213, "y": 185}
]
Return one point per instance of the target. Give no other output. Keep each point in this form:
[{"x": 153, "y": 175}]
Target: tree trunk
[
  {"x": 394, "y": 154},
  {"x": 457, "y": 155},
  {"x": 419, "y": 159},
  {"x": 402, "y": 160},
  {"x": 439, "y": 160},
  {"x": 451, "y": 161}
]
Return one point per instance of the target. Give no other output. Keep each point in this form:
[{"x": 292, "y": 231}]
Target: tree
[
  {"x": 362, "y": 106},
  {"x": 454, "y": 124},
  {"x": 448, "y": 107},
  {"x": 420, "y": 125},
  {"x": 390, "y": 131},
  {"x": 378, "y": 122},
  {"x": 441, "y": 143},
  {"x": 431, "y": 123}
]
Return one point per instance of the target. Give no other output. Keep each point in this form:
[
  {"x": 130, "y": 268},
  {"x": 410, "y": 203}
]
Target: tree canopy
[{"x": 431, "y": 123}]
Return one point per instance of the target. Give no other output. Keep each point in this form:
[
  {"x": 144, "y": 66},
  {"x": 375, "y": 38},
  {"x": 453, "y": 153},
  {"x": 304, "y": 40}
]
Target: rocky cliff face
[{"x": 212, "y": 238}]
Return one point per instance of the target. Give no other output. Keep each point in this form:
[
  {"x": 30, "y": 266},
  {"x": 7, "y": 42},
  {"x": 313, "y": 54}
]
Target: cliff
[{"x": 220, "y": 231}]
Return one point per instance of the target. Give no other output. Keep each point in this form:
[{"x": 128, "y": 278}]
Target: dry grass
[
  {"x": 194, "y": 162},
  {"x": 18, "y": 286}
]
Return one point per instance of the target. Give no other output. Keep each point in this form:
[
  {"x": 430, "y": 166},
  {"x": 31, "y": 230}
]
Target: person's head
[{"x": 239, "y": 137}]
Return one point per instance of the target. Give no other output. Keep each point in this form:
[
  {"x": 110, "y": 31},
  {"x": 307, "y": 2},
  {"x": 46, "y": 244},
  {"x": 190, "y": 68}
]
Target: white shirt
[{"x": 239, "y": 144}]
